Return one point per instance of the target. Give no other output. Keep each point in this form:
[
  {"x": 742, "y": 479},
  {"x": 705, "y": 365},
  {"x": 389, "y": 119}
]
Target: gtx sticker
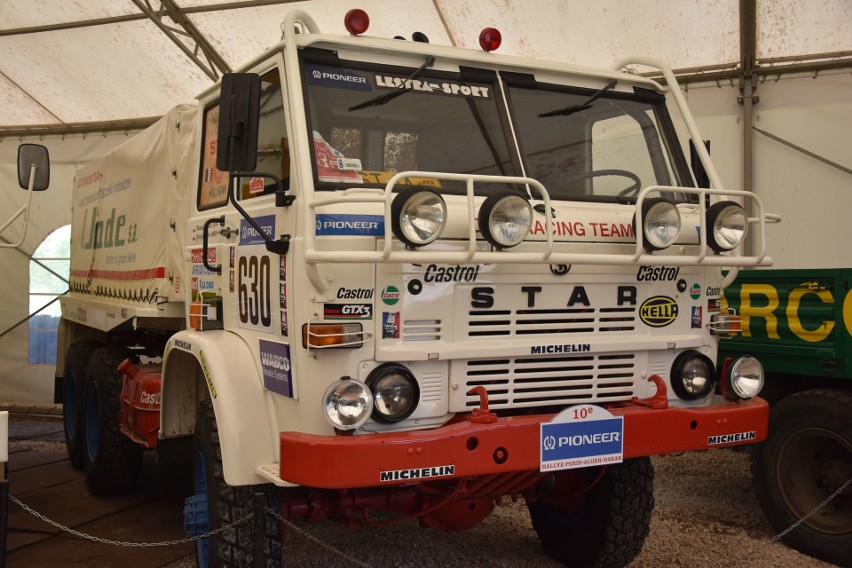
[
  {"x": 275, "y": 362},
  {"x": 658, "y": 311},
  {"x": 457, "y": 273},
  {"x": 347, "y": 225},
  {"x": 420, "y": 473},
  {"x": 731, "y": 438},
  {"x": 391, "y": 295},
  {"x": 348, "y": 311},
  {"x": 714, "y": 305},
  {"x": 657, "y": 273},
  {"x": 390, "y": 325}
]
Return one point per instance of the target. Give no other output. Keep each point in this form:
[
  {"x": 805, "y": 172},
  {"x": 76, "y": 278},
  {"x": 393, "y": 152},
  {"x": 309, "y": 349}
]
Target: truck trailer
[{"x": 377, "y": 276}]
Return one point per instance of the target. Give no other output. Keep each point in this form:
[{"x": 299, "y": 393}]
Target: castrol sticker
[{"x": 581, "y": 436}]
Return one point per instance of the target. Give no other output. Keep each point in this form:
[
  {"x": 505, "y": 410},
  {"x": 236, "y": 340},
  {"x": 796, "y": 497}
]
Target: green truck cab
[{"x": 798, "y": 323}]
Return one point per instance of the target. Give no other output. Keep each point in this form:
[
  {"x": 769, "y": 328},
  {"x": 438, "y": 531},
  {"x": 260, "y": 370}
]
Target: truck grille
[
  {"x": 544, "y": 381},
  {"x": 507, "y": 323}
]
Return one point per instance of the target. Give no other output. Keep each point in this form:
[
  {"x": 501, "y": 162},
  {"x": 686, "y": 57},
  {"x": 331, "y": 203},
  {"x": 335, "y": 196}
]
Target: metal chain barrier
[
  {"x": 315, "y": 540},
  {"x": 69, "y": 530},
  {"x": 792, "y": 527}
]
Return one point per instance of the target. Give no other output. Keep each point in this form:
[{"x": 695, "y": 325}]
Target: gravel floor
[{"x": 705, "y": 516}]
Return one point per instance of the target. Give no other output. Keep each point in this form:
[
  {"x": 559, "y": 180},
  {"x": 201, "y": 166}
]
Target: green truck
[{"x": 798, "y": 323}]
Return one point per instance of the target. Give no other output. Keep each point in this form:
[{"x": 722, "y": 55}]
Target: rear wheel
[
  {"x": 73, "y": 385},
  {"x": 111, "y": 460},
  {"x": 225, "y": 504},
  {"x": 804, "y": 461},
  {"x": 604, "y": 527}
]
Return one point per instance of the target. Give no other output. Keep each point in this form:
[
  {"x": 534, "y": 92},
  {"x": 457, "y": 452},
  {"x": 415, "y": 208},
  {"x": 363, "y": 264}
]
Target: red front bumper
[{"x": 469, "y": 448}]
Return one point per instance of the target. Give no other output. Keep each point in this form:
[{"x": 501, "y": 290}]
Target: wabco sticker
[
  {"x": 731, "y": 438},
  {"x": 336, "y": 225},
  {"x": 419, "y": 473},
  {"x": 275, "y": 362},
  {"x": 581, "y": 436},
  {"x": 658, "y": 311},
  {"x": 391, "y": 295}
]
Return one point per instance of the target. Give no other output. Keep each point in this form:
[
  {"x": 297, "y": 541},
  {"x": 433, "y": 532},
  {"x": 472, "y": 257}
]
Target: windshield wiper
[
  {"x": 391, "y": 95},
  {"x": 577, "y": 108}
]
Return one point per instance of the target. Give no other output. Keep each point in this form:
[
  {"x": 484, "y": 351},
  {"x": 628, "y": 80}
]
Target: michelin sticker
[{"x": 581, "y": 436}]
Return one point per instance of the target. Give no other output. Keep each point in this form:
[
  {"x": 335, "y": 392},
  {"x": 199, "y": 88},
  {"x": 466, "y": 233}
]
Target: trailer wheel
[
  {"x": 221, "y": 504},
  {"x": 73, "y": 385},
  {"x": 603, "y": 527},
  {"x": 111, "y": 460},
  {"x": 805, "y": 459}
]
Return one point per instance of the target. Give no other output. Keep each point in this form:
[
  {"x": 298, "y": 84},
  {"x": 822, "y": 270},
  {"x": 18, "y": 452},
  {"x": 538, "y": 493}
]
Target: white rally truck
[{"x": 374, "y": 275}]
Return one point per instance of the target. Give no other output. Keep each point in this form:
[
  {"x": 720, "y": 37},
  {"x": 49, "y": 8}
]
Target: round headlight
[
  {"x": 728, "y": 224},
  {"x": 660, "y": 224},
  {"x": 746, "y": 377},
  {"x": 693, "y": 375},
  {"x": 395, "y": 392},
  {"x": 347, "y": 404},
  {"x": 505, "y": 219},
  {"x": 418, "y": 216}
]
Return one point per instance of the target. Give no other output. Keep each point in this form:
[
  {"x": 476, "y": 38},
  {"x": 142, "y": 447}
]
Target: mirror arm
[
  {"x": 25, "y": 210},
  {"x": 282, "y": 245}
]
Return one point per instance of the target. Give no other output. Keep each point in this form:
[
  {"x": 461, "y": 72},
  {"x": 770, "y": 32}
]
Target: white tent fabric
[{"x": 101, "y": 62}]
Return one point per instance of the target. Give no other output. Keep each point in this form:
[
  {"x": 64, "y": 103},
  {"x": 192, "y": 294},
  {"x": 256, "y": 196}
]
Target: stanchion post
[{"x": 4, "y": 485}]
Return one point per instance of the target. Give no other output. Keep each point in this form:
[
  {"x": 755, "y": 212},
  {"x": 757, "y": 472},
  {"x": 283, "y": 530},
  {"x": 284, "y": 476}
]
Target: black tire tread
[
  {"x": 613, "y": 524},
  {"x": 76, "y": 364},
  {"x": 821, "y": 408},
  {"x": 235, "y": 546},
  {"x": 116, "y": 467}
]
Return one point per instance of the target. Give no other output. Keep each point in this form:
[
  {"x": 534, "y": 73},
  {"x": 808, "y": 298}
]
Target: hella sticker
[{"x": 658, "y": 311}]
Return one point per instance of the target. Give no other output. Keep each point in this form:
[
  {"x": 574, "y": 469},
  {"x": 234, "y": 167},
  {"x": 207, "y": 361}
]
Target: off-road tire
[
  {"x": 233, "y": 548},
  {"x": 805, "y": 459},
  {"x": 73, "y": 387},
  {"x": 111, "y": 460},
  {"x": 609, "y": 528}
]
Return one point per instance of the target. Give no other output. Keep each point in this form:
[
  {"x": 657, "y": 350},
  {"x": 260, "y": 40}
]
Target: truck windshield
[
  {"x": 594, "y": 144},
  {"x": 369, "y": 122},
  {"x": 442, "y": 122}
]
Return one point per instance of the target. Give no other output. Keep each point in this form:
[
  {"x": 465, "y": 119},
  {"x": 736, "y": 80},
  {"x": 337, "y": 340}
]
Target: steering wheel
[{"x": 632, "y": 188}]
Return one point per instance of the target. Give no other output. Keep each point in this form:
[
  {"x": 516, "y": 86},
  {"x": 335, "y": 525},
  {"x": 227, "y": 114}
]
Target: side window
[
  {"x": 273, "y": 151},
  {"x": 49, "y": 269}
]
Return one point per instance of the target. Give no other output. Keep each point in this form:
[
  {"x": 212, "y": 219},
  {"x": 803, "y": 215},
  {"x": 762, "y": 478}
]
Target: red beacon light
[
  {"x": 356, "y": 21},
  {"x": 490, "y": 39}
]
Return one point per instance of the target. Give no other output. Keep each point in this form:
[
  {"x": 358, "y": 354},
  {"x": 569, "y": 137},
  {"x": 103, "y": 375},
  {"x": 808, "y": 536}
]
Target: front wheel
[
  {"x": 805, "y": 460},
  {"x": 595, "y": 518},
  {"x": 215, "y": 504},
  {"x": 112, "y": 461}
]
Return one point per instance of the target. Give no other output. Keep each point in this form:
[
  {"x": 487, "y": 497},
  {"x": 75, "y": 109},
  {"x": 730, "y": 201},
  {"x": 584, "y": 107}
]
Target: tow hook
[{"x": 481, "y": 415}]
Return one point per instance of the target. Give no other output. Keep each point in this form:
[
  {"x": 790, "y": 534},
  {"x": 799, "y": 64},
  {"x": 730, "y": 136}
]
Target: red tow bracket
[{"x": 481, "y": 415}]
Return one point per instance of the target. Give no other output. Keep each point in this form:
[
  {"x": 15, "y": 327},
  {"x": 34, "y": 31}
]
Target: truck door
[{"x": 242, "y": 284}]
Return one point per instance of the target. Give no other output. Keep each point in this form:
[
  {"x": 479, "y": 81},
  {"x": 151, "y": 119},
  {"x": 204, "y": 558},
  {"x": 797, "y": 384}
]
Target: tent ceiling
[{"x": 93, "y": 61}]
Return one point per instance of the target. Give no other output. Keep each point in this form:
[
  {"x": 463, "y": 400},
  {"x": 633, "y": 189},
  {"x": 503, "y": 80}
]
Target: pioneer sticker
[
  {"x": 581, "y": 436},
  {"x": 658, "y": 311}
]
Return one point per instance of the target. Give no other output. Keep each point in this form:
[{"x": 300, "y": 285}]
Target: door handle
[{"x": 217, "y": 268}]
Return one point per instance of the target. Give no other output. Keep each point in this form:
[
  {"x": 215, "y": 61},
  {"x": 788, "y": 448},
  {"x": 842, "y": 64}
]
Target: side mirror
[
  {"x": 30, "y": 155},
  {"x": 239, "y": 115}
]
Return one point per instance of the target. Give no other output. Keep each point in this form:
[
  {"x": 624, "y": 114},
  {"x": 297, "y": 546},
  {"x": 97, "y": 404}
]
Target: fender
[{"x": 223, "y": 362}]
